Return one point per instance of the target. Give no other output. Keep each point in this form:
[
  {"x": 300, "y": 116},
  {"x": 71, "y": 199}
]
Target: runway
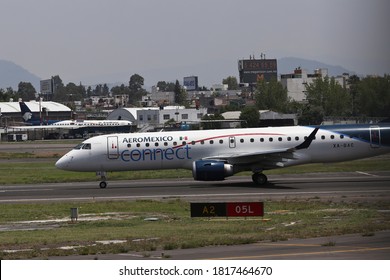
[{"x": 353, "y": 186}]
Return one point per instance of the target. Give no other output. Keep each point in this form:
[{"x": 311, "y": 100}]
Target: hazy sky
[{"x": 85, "y": 40}]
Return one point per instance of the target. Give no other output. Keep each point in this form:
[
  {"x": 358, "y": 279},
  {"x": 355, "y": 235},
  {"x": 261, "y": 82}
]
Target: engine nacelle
[{"x": 211, "y": 170}]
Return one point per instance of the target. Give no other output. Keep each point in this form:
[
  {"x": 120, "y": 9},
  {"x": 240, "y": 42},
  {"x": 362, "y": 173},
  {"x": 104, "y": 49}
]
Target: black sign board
[
  {"x": 228, "y": 209},
  {"x": 208, "y": 209}
]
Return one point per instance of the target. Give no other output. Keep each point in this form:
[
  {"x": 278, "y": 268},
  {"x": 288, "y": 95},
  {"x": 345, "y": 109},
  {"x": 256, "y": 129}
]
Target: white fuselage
[{"x": 179, "y": 149}]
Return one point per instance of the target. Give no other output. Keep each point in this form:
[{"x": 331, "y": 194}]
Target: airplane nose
[{"x": 63, "y": 162}]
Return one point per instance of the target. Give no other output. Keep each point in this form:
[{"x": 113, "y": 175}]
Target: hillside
[{"x": 11, "y": 74}]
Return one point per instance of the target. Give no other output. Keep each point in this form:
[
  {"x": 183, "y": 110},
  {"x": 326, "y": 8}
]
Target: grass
[{"x": 174, "y": 228}]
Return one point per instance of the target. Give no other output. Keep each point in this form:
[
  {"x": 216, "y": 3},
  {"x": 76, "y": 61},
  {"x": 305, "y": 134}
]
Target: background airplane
[
  {"x": 216, "y": 154},
  {"x": 32, "y": 122}
]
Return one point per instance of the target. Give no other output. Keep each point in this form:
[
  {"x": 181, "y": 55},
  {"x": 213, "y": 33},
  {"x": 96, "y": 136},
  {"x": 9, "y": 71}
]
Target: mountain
[
  {"x": 11, "y": 75},
  {"x": 287, "y": 65}
]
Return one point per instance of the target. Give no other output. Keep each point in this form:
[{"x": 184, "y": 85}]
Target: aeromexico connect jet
[{"x": 213, "y": 155}]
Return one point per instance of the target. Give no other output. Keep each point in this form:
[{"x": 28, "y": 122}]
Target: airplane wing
[{"x": 269, "y": 158}]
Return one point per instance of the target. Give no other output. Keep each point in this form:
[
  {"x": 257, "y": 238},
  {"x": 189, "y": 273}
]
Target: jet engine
[{"x": 211, "y": 170}]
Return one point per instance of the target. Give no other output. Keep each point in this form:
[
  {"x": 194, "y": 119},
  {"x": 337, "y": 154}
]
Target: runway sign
[{"x": 228, "y": 209}]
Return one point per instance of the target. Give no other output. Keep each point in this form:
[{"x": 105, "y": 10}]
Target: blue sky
[{"x": 91, "y": 40}]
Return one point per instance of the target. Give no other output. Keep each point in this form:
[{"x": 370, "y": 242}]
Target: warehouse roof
[{"x": 13, "y": 107}]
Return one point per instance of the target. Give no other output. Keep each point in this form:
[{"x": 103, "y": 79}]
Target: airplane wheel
[
  {"x": 259, "y": 179},
  {"x": 103, "y": 184}
]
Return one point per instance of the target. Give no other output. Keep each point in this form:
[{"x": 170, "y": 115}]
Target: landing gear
[
  {"x": 103, "y": 183},
  {"x": 259, "y": 179}
]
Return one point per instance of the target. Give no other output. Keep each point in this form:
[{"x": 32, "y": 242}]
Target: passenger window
[
  {"x": 261, "y": 139},
  {"x": 193, "y": 142},
  {"x": 289, "y": 138},
  {"x": 128, "y": 145},
  {"x": 280, "y": 139},
  {"x": 202, "y": 142},
  {"x": 147, "y": 144},
  {"x": 211, "y": 142},
  {"x": 271, "y": 139},
  {"x": 323, "y": 137},
  {"x": 241, "y": 140},
  {"x": 341, "y": 136},
  {"x": 252, "y": 140},
  {"x": 156, "y": 144},
  {"x": 296, "y": 138},
  {"x": 221, "y": 141},
  {"x": 332, "y": 137}
]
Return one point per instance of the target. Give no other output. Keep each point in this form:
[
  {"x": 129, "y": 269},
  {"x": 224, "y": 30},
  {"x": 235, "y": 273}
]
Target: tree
[
  {"x": 327, "y": 94},
  {"x": 6, "y": 95},
  {"x": 164, "y": 86},
  {"x": 26, "y": 91},
  {"x": 231, "y": 82},
  {"x": 373, "y": 97},
  {"x": 180, "y": 94},
  {"x": 311, "y": 115},
  {"x": 135, "y": 89},
  {"x": 251, "y": 116},
  {"x": 353, "y": 82},
  {"x": 211, "y": 121},
  {"x": 271, "y": 96}
]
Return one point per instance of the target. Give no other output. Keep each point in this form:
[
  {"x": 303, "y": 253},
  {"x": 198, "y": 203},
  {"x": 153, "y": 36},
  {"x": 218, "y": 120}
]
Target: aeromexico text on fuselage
[{"x": 147, "y": 139}]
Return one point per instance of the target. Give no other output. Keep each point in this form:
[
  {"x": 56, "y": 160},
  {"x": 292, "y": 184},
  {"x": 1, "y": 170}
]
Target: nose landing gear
[{"x": 103, "y": 177}]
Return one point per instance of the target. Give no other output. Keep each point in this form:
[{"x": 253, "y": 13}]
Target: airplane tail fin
[{"x": 27, "y": 115}]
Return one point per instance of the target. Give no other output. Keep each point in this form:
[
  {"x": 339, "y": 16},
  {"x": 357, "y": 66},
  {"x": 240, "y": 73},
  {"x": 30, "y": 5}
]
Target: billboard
[
  {"x": 252, "y": 70},
  {"x": 46, "y": 87},
  {"x": 191, "y": 83}
]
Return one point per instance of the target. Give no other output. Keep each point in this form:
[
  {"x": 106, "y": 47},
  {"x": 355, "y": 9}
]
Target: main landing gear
[
  {"x": 259, "y": 179},
  {"x": 103, "y": 177}
]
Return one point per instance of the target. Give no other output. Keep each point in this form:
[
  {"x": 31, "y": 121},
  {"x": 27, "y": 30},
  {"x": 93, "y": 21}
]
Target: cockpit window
[
  {"x": 78, "y": 147},
  {"x": 87, "y": 146},
  {"x": 84, "y": 146}
]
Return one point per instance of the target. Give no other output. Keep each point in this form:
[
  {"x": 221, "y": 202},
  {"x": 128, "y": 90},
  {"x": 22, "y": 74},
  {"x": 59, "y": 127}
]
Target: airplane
[
  {"x": 88, "y": 123},
  {"x": 213, "y": 155},
  {"x": 35, "y": 123}
]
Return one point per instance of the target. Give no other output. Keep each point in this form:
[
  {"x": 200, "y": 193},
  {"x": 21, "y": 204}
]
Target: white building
[
  {"x": 296, "y": 82},
  {"x": 158, "y": 118}
]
